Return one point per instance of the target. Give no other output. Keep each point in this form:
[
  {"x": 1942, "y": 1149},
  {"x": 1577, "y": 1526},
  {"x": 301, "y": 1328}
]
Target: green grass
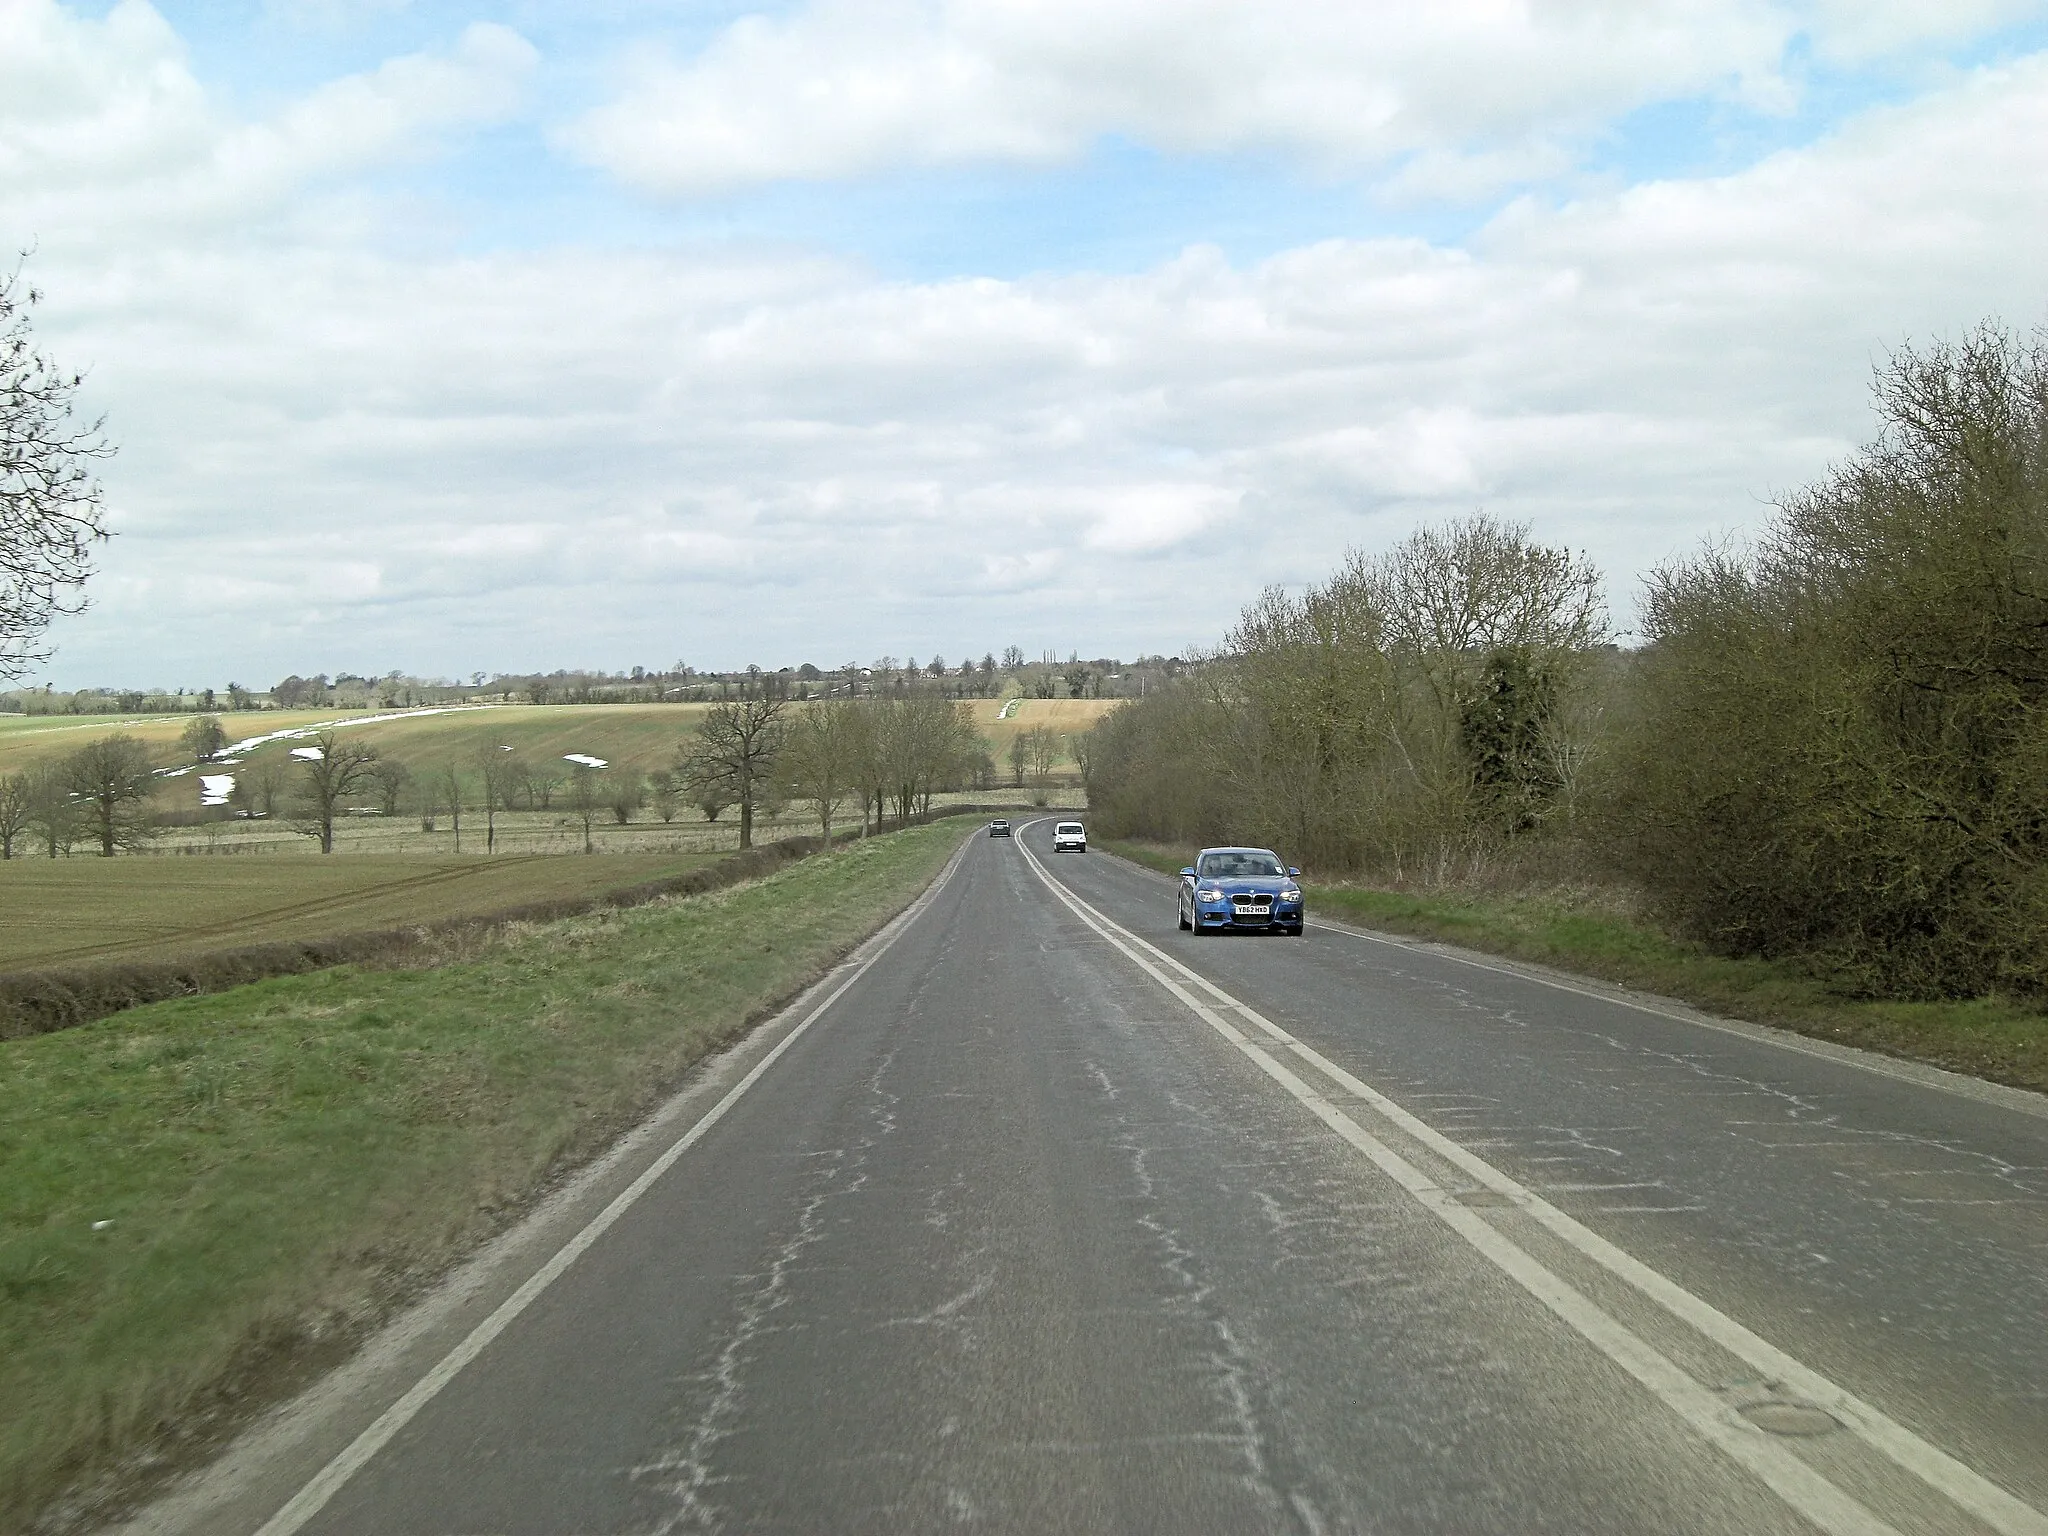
[
  {"x": 1987, "y": 1037},
  {"x": 80, "y": 910},
  {"x": 277, "y": 1166},
  {"x": 27, "y": 740},
  {"x": 635, "y": 737}
]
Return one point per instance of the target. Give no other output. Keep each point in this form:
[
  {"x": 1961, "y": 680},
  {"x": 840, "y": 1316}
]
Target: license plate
[{"x": 1254, "y": 911}]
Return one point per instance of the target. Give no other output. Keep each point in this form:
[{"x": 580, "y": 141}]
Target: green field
[
  {"x": 634, "y": 739},
  {"x": 637, "y": 737},
  {"x": 74, "y": 911},
  {"x": 203, "y": 1202}
]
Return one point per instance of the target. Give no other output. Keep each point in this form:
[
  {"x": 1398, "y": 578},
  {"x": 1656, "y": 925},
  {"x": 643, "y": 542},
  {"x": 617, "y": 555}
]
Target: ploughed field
[{"x": 72, "y": 911}]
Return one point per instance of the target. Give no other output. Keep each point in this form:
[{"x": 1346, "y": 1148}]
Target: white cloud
[
  {"x": 104, "y": 129},
  {"x": 1481, "y": 92},
  {"x": 333, "y": 457}
]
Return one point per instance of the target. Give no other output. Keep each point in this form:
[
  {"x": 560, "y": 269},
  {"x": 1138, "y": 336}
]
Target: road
[{"x": 1053, "y": 1218}]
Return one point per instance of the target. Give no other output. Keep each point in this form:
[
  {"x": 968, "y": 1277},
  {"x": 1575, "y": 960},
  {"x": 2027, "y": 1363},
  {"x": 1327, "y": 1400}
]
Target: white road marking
[
  {"x": 329, "y": 1480},
  {"x": 1791, "y": 1478},
  {"x": 1920, "y": 1074}
]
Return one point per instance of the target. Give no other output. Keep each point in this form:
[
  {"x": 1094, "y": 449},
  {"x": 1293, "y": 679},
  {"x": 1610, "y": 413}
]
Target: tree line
[
  {"x": 1831, "y": 743},
  {"x": 873, "y": 758}
]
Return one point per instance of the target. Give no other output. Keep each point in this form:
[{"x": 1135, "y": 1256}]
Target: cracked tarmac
[{"x": 1007, "y": 1244}]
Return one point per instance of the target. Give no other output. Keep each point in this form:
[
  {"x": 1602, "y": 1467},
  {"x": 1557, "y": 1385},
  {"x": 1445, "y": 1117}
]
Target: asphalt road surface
[{"x": 1057, "y": 1219}]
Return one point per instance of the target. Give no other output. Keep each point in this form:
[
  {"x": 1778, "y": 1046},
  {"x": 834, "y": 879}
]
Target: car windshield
[
  {"x": 1240, "y": 865},
  {"x": 1068, "y": 826}
]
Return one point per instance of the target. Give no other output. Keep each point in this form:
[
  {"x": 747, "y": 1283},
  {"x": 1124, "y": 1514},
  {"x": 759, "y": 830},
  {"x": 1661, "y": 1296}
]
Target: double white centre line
[{"x": 1791, "y": 1477}]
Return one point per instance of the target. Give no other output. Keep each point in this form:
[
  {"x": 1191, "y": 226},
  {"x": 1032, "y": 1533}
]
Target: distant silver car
[
  {"x": 1069, "y": 837},
  {"x": 999, "y": 828}
]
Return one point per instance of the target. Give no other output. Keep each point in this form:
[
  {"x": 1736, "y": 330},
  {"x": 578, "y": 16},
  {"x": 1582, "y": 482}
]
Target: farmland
[
  {"x": 633, "y": 738},
  {"x": 69, "y": 911},
  {"x": 184, "y": 891}
]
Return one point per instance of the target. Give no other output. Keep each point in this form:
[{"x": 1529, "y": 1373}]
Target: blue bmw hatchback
[{"x": 1240, "y": 888}]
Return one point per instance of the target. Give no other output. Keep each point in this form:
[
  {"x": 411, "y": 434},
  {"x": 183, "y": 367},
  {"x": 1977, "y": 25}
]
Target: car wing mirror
[
  {"x": 1187, "y": 874},
  {"x": 1294, "y": 872}
]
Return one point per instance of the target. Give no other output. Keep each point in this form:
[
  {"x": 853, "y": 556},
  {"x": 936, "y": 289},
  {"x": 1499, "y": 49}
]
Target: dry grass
[{"x": 1069, "y": 717}]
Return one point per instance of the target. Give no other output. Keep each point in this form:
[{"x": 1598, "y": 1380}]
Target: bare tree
[
  {"x": 817, "y": 762},
  {"x": 112, "y": 779},
  {"x": 339, "y": 770},
  {"x": 735, "y": 750},
  {"x": 627, "y": 794},
  {"x": 927, "y": 744},
  {"x": 390, "y": 777},
  {"x": 53, "y": 811},
  {"x": 204, "y": 739},
  {"x": 500, "y": 773},
  {"x": 17, "y": 810},
  {"x": 585, "y": 799},
  {"x": 1041, "y": 751},
  {"x": 542, "y": 780},
  {"x": 667, "y": 798},
  {"x": 266, "y": 780},
  {"x": 49, "y": 496},
  {"x": 449, "y": 789}
]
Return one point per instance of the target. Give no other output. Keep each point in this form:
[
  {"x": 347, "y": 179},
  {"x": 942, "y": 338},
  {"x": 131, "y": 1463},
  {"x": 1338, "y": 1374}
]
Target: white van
[{"x": 1069, "y": 835}]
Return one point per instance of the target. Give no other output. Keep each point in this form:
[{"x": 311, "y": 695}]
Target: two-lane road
[{"x": 1057, "y": 1219}]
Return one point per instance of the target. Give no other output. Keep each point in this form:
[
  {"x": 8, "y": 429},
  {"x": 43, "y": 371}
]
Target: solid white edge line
[
  {"x": 1920, "y": 1074},
  {"x": 1964, "y": 1487},
  {"x": 330, "y": 1479}
]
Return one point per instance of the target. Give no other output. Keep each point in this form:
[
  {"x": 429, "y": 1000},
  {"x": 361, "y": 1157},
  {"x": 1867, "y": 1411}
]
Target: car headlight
[
  {"x": 1290, "y": 894},
  {"x": 1210, "y": 893}
]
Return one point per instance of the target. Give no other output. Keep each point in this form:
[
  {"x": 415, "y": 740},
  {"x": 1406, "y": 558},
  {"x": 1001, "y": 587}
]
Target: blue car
[{"x": 1230, "y": 889}]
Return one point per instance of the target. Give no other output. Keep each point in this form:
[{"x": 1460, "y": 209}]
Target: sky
[{"x": 455, "y": 337}]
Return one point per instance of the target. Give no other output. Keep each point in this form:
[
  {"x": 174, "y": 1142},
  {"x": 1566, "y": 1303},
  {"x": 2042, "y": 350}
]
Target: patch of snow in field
[
  {"x": 172, "y": 773},
  {"x": 214, "y": 788},
  {"x": 251, "y": 743},
  {"x": 310, "y": 754},
  {"x": 586, "y": 759}
]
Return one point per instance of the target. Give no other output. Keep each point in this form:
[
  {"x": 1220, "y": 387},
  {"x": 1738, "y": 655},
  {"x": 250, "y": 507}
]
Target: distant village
[{"x": 1009, "y": 675}]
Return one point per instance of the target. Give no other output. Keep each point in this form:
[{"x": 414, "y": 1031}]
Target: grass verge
[
  {"x": 1990, "y": 1038},
  {"x": 202, "y": 1201}
]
